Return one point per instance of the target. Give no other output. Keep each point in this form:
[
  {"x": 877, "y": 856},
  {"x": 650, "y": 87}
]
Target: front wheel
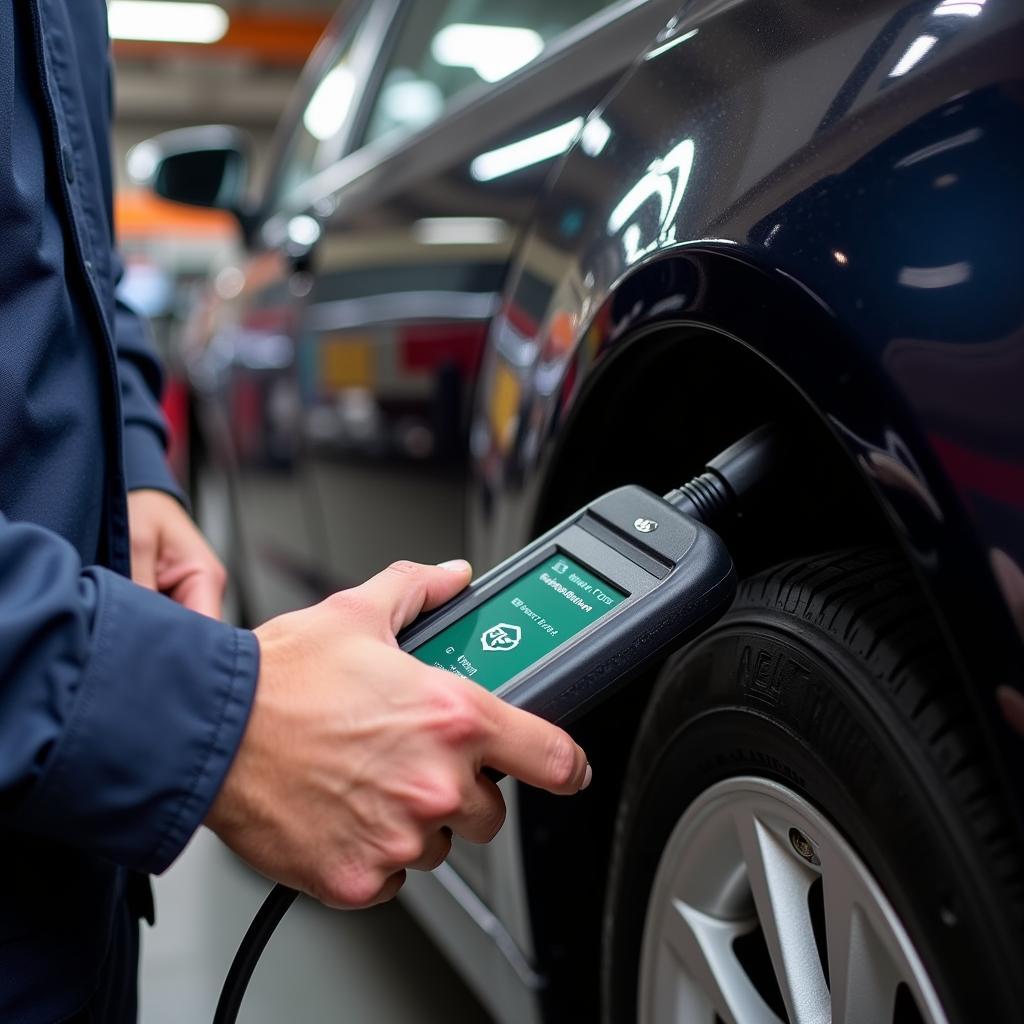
[{"x": 808, "y": 831}]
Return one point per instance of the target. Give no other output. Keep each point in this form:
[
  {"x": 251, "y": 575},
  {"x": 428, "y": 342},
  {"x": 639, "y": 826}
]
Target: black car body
[{"x": 676, "y": 222}]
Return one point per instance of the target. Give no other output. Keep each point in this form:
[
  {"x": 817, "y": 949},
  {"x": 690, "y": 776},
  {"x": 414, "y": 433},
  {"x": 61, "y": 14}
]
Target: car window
[
  {"x": 445, "y": 47},
  {"x": 323, "y": 120}
]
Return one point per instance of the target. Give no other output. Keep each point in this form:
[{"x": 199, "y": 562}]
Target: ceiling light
[
  {"x": 460, "y": 231},
  {"x": 166, "y": 22},
  {"x": 329, "y": 106},
  {"x": 492, "y": 51},
  {"x": 969, "y": 9},
  {"x": 526, "y": 152},
  {"x": 410, "y": 102}
]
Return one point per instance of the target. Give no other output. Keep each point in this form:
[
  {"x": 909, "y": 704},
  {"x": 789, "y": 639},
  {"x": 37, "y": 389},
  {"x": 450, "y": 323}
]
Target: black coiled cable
[{"x": 267, "y": 918}]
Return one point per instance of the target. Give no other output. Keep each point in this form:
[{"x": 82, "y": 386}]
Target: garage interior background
[{"x": 322, "y": 966}]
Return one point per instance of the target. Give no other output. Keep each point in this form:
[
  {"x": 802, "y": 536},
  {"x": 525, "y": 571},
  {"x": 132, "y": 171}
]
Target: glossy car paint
[
  {"x": 835, "y": 187},
  {"x": 840, "y": 188}
]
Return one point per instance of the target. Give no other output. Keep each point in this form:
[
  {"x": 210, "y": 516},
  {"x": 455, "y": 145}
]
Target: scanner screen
[{"x": 522, "y": 623}]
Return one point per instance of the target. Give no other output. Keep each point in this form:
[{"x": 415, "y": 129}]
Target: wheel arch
[
  {"x": 695, "y": 369},
  {"x": 732, "y": 344}
]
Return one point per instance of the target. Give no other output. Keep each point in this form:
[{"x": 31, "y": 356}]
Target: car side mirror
[{"x": 204, "y": 166}]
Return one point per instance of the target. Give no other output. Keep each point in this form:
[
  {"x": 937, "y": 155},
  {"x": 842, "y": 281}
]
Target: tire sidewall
[{"x": 765, "y": 695}]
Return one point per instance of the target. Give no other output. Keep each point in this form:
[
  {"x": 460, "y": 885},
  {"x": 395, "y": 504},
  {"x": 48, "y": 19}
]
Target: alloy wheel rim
[{"x": 762, "y": 913}]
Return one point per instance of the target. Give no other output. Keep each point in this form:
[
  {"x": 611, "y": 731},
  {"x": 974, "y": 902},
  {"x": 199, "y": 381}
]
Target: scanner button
[{"x": 647, "y": 520}]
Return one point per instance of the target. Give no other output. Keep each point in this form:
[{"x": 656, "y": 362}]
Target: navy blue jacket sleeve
[{"x": 120, "y": 711}]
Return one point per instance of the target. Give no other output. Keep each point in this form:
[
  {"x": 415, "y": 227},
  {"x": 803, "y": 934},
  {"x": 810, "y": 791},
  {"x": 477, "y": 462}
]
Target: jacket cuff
[
  {"x": 162, "y": 707},
  {"x": 145, "y": 462}
]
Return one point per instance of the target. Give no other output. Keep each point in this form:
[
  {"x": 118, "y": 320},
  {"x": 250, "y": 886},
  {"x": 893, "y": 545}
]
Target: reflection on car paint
[{"x": 890, "y": 203}]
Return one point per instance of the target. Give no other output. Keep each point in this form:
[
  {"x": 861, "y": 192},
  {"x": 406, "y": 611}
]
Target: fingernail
[
  {"x": 588, "y": 777},
  {"x": 455, "y": 565}
]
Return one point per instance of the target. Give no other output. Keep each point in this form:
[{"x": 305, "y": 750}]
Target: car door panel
[{"x": 417, "y": 237}]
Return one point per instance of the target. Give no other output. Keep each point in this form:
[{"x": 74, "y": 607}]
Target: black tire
[{"x": 827, "y": 675}]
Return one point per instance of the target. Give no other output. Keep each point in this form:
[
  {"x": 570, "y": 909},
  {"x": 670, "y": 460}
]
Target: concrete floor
[{"x": 365, "y": 967}]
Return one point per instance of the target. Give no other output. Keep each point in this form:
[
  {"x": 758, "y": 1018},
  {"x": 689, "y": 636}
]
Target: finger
[
  {"x": 144, "y": 562},
  {"x": 202, "y": 595},
  {"x": 200, "y": 588},
  {"x": 530, "y": 749},
  {"x": 482, "y": 814},
  {"x": 404, "y": 589},
  {"x": 390, "y": 889},
  {"x": 435, "y": 850}
]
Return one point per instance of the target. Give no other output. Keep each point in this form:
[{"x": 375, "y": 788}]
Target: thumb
[{"x": 404, "y": 589}]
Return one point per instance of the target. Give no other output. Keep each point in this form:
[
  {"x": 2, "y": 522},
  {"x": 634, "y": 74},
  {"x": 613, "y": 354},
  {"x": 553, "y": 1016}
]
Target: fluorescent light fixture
[
  {"x": 526, "y": 152},
  {"x": 410, "y": 102},
  {"x": 166, "y": 22},
  {"x": 965, "y": 8},
  {"x": 916, "y": 52},
  {"x": 330, "y": 104},
  {"x": 460, "y": 231},
  {"x": 492, "y": 51}
]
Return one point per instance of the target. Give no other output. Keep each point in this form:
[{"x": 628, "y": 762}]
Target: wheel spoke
[
  {"x": 703, "y": 945},
  {"x": 862, "y": 975},
  {"x": 780, "y": 884},
  {"x": 753, "y": 875}
]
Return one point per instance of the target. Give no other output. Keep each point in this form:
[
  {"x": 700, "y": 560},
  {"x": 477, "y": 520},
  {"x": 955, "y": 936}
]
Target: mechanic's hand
[
  {"x": 170, "y": 555},
  {"x": 358, "y": 759}
]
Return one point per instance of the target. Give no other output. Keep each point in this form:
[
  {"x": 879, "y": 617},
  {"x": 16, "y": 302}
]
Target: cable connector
[{"x": 716, "y": 496}]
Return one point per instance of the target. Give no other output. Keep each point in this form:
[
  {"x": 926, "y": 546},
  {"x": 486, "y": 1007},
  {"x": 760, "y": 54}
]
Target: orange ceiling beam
[{"x": 284, "y": 39}]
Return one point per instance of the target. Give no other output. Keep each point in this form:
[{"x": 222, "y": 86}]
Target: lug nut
[{"x": 803, "y": 846}]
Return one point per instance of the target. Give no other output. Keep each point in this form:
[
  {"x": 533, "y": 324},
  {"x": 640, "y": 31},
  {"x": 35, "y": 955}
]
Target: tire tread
[
  {"x": 860, "y": 614},
  {"x": 877, "y": 613}
]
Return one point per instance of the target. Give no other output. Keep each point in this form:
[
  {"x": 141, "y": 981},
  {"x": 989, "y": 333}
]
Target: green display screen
[{"x": 522, "y": 623}]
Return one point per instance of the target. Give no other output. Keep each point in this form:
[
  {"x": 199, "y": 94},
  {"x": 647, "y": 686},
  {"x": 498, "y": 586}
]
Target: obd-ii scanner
[{"x": 563, "y": 623}]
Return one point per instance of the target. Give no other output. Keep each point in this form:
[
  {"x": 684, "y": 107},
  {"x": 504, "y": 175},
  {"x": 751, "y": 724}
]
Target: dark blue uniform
[{"x": 119, "y": 710}]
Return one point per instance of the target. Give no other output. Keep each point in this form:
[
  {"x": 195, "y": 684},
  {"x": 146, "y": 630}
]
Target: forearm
[{"x": 120, "y": 711}]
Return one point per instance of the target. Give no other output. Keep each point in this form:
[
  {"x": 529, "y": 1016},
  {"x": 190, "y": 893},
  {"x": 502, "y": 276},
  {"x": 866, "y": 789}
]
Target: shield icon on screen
[{"x": 502, "y": 637}]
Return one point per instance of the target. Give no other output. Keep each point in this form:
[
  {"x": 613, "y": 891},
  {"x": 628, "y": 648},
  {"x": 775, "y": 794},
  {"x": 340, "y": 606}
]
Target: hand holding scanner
[{"x": 563, "y": 623}]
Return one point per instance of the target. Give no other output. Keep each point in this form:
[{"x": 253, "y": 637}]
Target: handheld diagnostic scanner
[{"x": 562, "y": 624}]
